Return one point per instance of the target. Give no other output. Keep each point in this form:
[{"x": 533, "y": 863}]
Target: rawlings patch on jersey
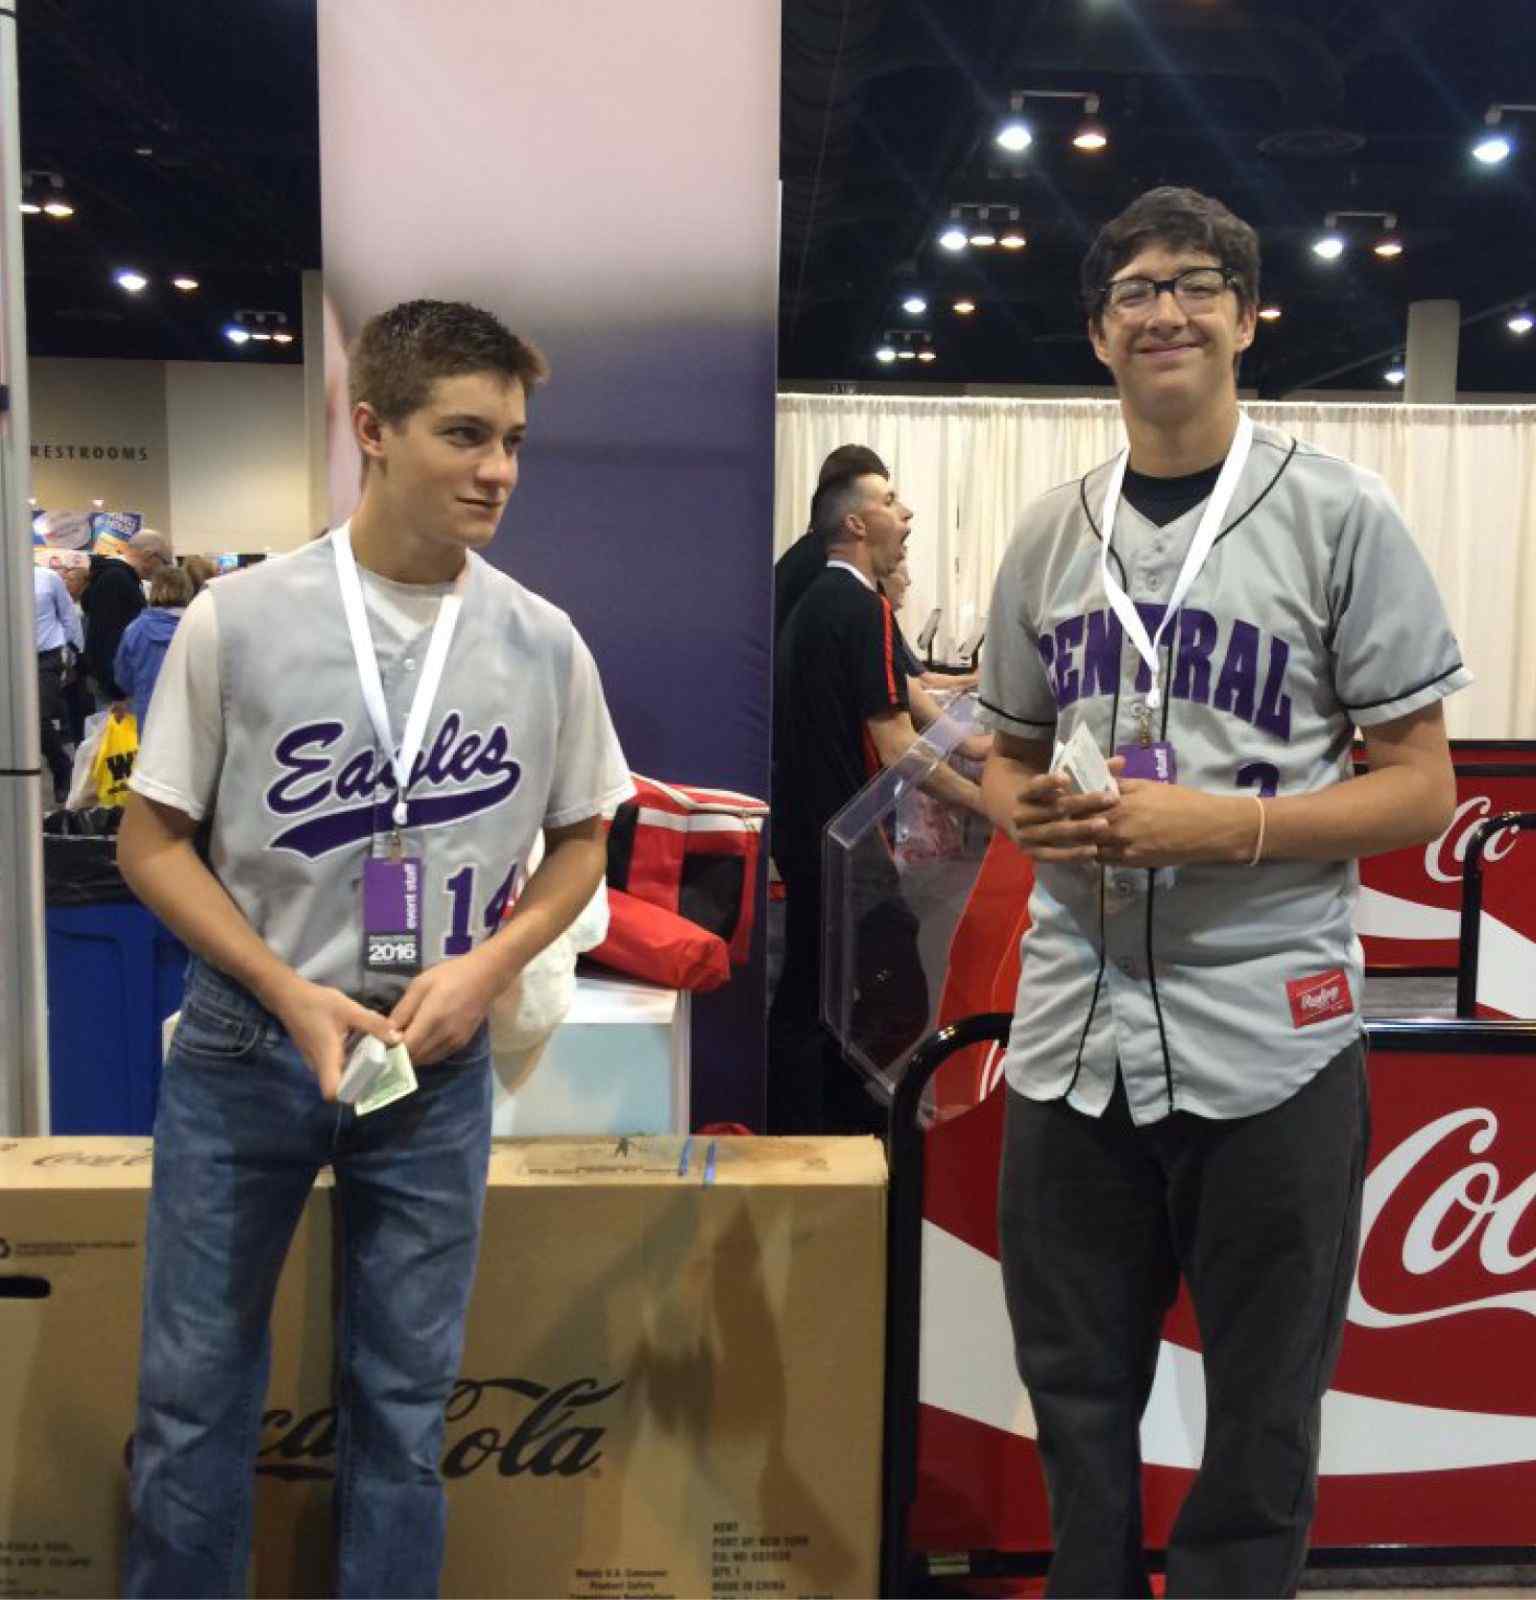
[
  {"x": 310, "y": 781},
  {"x": 1317, "y": 999}
]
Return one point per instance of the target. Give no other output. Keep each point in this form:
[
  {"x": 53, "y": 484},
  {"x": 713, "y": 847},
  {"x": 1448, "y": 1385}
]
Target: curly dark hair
[
  {"x": 1182, "y": 219},
  {"x": 402, "y": 352}
]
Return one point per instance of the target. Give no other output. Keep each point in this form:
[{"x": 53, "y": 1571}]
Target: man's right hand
[
  {"x": 1051, "y": 823},
  {"x": 319, "y": 1021}
]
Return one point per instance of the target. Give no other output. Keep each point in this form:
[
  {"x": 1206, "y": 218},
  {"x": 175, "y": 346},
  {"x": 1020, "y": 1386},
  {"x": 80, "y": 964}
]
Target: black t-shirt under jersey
[
  {"x": 836, "y": 668},
  {"x": 1164, "y": 500}
]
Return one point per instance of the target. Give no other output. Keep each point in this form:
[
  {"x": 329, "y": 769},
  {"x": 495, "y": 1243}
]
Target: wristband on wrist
[{"x": 1258, "y": 843}]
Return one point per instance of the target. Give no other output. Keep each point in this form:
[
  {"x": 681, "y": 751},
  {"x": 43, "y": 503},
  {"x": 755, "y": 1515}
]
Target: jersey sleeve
[
  {"x": 591, "y": 775},
  {"x": 1015, "y": 694},
  {"x": 880, "y": 684},
  {"x": 1394, "y": 651},
  {"x": 182, "y": 750}
]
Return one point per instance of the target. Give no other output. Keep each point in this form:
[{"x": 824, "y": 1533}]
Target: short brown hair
[
  {"x": 402, "y": 352},
  {"x": 837, "y": 500},
  {"x": 171, "y": 586},
  {"x": 850, "y": 460},
  {"x": 1182, "y": 219}
]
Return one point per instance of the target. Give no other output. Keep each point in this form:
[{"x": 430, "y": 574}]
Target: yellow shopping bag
[{"x": 114, "y": 759}]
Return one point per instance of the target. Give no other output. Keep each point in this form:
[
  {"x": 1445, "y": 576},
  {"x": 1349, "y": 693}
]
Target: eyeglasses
[{"x": 1196, "y": 289}]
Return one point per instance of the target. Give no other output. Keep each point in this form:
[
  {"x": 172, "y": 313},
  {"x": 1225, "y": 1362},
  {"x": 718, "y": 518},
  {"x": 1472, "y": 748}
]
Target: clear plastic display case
[{"x": 898, "y": 865}]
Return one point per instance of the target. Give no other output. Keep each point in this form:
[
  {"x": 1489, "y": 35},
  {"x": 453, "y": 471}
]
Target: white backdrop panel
[{"x": 1464, "y": 475}]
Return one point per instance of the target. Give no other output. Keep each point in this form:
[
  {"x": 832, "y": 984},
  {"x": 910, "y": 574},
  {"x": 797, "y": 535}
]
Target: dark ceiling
[{"x": 1287, "y": 109}]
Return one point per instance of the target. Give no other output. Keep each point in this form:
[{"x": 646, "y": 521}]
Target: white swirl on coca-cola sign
[
  {"x": 1444, "y": 857},
  {"x": 1494, "y": 1216}
]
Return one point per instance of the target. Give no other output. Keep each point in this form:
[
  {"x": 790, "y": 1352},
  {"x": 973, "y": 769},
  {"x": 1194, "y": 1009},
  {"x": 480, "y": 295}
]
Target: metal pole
[{"x": 23, "y": 980}]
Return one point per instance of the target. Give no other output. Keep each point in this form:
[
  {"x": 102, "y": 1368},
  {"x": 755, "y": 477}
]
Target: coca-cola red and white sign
[
  {"x": 1409, "y": 910},
  {"x": 1429, "y": 1430}
]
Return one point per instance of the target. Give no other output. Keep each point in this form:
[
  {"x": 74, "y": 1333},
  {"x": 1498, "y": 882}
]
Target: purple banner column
[{"x": 603, "y": 177}]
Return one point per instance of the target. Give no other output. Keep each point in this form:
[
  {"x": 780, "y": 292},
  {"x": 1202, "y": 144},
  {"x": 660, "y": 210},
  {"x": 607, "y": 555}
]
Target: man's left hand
[
  {"x": 444, "y": 1005},
  {"x": 1166, "y": 825}
]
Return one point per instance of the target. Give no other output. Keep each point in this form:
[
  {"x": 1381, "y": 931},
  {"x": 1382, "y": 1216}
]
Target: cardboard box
[
  {"x": 72, "y": 1218},
  {"x": 673, "y": 1370},
  {"x": 671, "y": 1385}
]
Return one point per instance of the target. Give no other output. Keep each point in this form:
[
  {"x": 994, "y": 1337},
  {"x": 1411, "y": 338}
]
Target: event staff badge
[
  {"x": 1146, "y": 757},
  {"x": 392, "y": 915}
]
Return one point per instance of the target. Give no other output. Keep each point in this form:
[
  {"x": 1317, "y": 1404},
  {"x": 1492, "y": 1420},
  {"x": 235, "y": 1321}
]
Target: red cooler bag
[{"x": 692, "y": 851}]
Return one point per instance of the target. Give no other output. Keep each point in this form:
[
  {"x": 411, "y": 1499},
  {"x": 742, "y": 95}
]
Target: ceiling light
[
  {"x": 1388, "y": 247},
  {"x": 906, "y": 355},
  {"x": 236, "y": 334},
  {"x": 1330, "y": 247},
  {"x": 30, "y": 207},
  {"x": 1012, "y": 239},
  {"x": 926, "y": 355},
  {"x": 953, "y": 239},
  {"x": 885, "y": 353},
  {"x": 98, "y": 504},
  {"x": 1090, "y": 136},
  {"x": 282, "y": 338},
  {"x": 983, "y": 239},
  {"x": 965, "y": 307},
  {"x": 915, "y": 305},
  {"x": 1522, "y": 322},
  {"x": 57, "y": 206},
  {"x": 133, "y": 282},
  {"x": 1491, "y": 149},
  {"x": 1269, "y": 313},
  {"x": 185, "y": 284},
  {"x": 1394, "y": 375},
  {"x": 1014, "y": 136},
  {"x": 262, "y": 338}
]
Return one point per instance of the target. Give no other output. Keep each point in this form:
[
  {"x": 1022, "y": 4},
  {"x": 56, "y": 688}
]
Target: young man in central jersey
[
  {"x": 1186, "y": 1090},
  {"x": 372, "y": 731}
]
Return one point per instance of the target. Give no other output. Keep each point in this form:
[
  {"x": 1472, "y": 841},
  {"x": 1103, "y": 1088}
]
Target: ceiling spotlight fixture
[
  {"x": 1521, "y": 323},
  {"x": 43, "y": 194},
  {"x": 1388, "y": 247},
  {"x": 236, "y": 334},
  {"x": 1014, "y": 136},
  {"x": 1090, "y": 136},
  {"x": 953, "y": 238},
  {"x": 906, "y": 355},
  {"x": 885, "y": 353},
  {"x": 1395, "y": 374},
  {"x": 259, "y": 327},
  {"x": 1496, "y": 145},
  {"x": 914, "y": 305},
  {"x": 983, "y": 238},
  {"x": 1012, "y": 239},
  {"x": 184, "y": 283},
  {"x": 282, "y": 338},
  {"x": 1269, "y": 313},
  {"x": 1329, "y": 246},
  {"x": 926, "y": 355},
  {"x": 964, "y": 308},
  {"x": 130, "y": 280}
]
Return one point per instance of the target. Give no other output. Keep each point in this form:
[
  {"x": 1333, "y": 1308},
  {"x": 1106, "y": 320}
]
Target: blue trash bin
[{"x": 115, "y": 973}]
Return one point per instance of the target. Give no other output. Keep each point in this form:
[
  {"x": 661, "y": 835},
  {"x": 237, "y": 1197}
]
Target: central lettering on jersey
[
  {"x": 1082, "y": 657},
  {"x": 311, "y": 779}
]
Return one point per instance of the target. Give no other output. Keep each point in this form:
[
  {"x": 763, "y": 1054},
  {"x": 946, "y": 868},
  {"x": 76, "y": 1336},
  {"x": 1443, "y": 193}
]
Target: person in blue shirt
[
  {"x": 147, "y": 638},
  {"x": 58, "y": 629}
]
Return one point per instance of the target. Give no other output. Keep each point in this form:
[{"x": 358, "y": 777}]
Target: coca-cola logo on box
[{"x": 552, "y": 1432}]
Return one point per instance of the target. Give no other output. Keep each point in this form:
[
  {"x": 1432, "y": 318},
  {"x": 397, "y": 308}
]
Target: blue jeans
[{"x": 240, "y": 1135}]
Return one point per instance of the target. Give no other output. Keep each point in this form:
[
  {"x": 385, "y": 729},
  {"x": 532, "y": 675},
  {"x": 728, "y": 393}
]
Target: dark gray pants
[{"x": 1261, "y": 1214}]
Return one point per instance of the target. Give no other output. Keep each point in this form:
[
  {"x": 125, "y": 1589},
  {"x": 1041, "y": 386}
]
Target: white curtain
[{"x": 1465, "y": 477}]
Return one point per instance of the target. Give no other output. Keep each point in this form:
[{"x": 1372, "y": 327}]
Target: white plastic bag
[{"x": 82, "y": 780}]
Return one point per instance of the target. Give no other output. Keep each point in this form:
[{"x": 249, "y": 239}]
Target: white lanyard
[
  {"x": 402, "y": 759},
  {"x": 1200, "y": 547}
]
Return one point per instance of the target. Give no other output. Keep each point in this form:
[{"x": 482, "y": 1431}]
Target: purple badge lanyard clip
[
  {"x": 1200, "y": 547},
  {"x": 403, "y": 758}
]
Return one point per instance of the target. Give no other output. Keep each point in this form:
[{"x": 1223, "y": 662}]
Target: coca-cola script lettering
[
  {"x": 1445, "y": 857},
  {"x": 1464, "y": 1207},
  {"x": 555, "y": 1437}
]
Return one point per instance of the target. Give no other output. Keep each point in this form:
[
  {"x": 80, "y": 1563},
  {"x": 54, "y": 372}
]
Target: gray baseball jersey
[
  {"x": 1218, "y": 989},
  {"x": 260, "y": 725}
]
